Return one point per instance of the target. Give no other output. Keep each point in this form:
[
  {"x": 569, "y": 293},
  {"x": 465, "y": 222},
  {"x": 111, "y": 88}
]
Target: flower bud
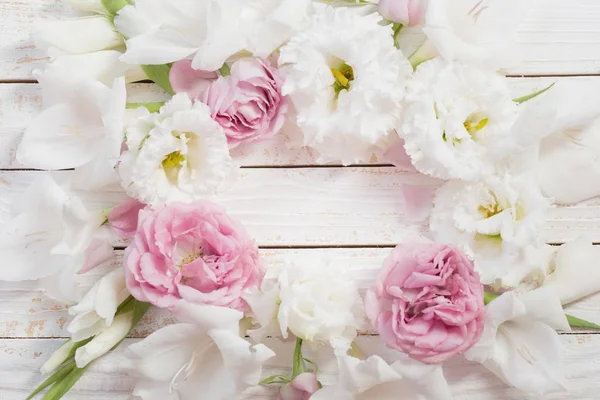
[
  {"x": 58, "y": 357},
  {"x": 105, "y": 340},
  {"x": 405, "y": 12},
  {"x": 301, "y": 388}
]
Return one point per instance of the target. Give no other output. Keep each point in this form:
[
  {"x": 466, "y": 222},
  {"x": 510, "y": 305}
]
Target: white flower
[
  {"x": 78, "y": 35},
  {"x": 203, "y": 356},
  {"x": 576, "y": 271},
  {"x": 61, "y": 355},
  {"x": 96, "y": 311},
  {"x": 519, "y": 343},
  {"x": 46, "y": 234},
  {"x": 385, "y": 378},
  {"x": 457, "y": 123},
  {"x": 561, "y": 128},
  {"x": 209, "y": 31},
  {"x": 476, "y": 30},
  {"x": 316, "y": 300},
  {"x": 347, "y": 82},
  {"x": 104, "y": 341},
  {"x": 494, "y": 220},
  {"x": 179, "y": 154},
  {"x": 81, "y": 126},
  {"x": 103, "y": 66}
]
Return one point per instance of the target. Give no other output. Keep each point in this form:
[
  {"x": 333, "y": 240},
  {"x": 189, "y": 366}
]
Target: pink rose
[
  {"x": 248, "y": 104},
  {"x": 194, "y": 252},
  {"x": 123, "y": 219},
  {"x": 427, "y": 302},
  {"x": 405, "y": 12},
  {"x": 301, "y": 388}
]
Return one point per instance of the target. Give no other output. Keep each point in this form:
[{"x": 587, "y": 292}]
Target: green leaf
[
  {"x": 58, "y": 375},
  {"x": 159, "y": 74},
  {"x": 114, "y": 6},
  {"x": 520, "y": 100},
  {"x": 314, "y": 365},
  {"x": 153, "y": 107},
  {"x": 225, "y": 70},
  {"x": 274, "y": 379},
  {"x": 575, "y": 322},
  {"x": 78, "y": 345},
  {"x": 397, "y": 29},
  {"x": 489, "y": 297},
  {"x": 60, "y": 388},
  {"x": 299, "y": 367}
]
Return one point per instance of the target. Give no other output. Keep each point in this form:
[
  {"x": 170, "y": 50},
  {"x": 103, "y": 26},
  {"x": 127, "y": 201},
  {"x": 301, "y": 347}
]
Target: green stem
[
  {"x": 520, "y": 100},
  {"x": 397, "y": 29},
  {"x": 55, "y": 377},
  {"x": 299, "y": 367},
  {"x": 60, "y": 388}
]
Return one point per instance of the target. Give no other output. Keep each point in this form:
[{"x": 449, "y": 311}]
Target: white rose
[{"x": 316, "y": 301}]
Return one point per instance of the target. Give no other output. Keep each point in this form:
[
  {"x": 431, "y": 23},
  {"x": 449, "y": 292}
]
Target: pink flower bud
[
  {"x": 406, "y": 12},
  {"x": 301, "y": 388}
]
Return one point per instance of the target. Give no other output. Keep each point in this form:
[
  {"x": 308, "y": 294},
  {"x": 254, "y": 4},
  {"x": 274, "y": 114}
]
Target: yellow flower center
[
  {"x": 476, "y": 122},
  {"x": 343, "y": 76},
  {"x": 173, "y": 160}
]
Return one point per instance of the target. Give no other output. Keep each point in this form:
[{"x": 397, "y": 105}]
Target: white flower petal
[
  {"x": 93, "y": 34},
  {"x": 350, "y": 126},
  {"x": 103, "y": 342}
]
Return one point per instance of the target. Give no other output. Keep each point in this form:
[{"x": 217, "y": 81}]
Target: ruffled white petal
[
  {"x": 348, "y": 127},
  {"x": 200, "y": 164},
  {"x": 457, "y": 123},
  {"x": 494, "y": 220}
]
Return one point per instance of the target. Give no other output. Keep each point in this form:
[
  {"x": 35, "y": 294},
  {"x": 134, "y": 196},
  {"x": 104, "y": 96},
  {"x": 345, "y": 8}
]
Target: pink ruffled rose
[
  {"x": 405, "y": 12},
  {"x": 248, "y": 103},
  {"x": 194, "y": 252},
  {"x": 123, "y": 218},
  {"x": 301, "y": 388},
  {"x": 427, "y": 302}
]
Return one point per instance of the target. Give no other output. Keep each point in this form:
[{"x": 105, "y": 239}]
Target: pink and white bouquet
[{"x": 418, "y": 83}]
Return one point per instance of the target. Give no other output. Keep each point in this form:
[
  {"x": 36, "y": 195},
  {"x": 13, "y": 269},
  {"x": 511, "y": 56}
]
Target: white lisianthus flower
[
  {"x": 347, "y": 83},
  {"x": 458, "y": 120},
  {"x": 45, "y": 235},
  {"x": 180, "y": 154},
  {"x": 93, "y": 34},
  {"x": 494, "y": 220},
  {"x": 476, "y": 30},
  {"x": 203, "y": 355},
  {"x": 384, "y": 376},
  {"x": 96, "y": 311},
  {"x": 209, "y": 31},
  {"x": 316, "y": 301},
  {"x": 81, "y": 126},
  {"x": 519, "y": 342}
]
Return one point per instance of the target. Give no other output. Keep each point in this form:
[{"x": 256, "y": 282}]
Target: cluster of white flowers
[{"x": 341, "y": 76}]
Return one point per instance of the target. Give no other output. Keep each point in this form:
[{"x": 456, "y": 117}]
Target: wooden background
[{"x": 292, "y": 206}]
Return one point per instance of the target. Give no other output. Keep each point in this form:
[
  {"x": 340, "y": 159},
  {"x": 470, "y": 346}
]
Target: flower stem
[{"x": 299, "y": 366}]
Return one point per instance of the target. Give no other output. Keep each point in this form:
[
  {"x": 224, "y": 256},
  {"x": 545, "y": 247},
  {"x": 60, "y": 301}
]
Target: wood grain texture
[
  {"x": 106, "y": 379},
  {"x": 560, "y": 37},
  {"x": 27, "y": 313},
  {"x": 360, "y": 206},
  {"x": 19, "y": 103}
]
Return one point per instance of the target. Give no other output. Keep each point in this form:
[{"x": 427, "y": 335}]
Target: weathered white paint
[{"x": 106, "y": 379}]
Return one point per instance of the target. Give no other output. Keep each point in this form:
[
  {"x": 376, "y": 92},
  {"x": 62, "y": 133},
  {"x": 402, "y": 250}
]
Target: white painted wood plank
[
  {"x": 560, "y": 37},
  {"x": 360, "y": 206},
  {"x": 19, "y": 103},
  {"x": 27, "y": 312},
  {"x": 106, "y": 379}
]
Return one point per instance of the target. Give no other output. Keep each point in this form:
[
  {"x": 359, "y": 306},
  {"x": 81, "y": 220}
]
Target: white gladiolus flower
[
  {"x": 494, "y": 220},
  {"x": 179, "y": 154},
  {"x": 384, "y": 377},
  {"x": 103, "y": 66},
  {"x": 46, "y": 235},
  {"x": 347, "y": 82},
  {"x": 92, "y": 34},
  {"x": 96, "y": 311},
  {"x": 458, "y": 121},
  {"x": 210, "y": 31},
  {"x": 476, "y": 30},
  {"x": 519, "y": 342},
  {"x": 316, "y": 301},
  {"x": 81, "y": 126},
  {"x": 104, "y": 341},
  {"x": 58, "y": 357},
  {"x": 204, "y": 356}
]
